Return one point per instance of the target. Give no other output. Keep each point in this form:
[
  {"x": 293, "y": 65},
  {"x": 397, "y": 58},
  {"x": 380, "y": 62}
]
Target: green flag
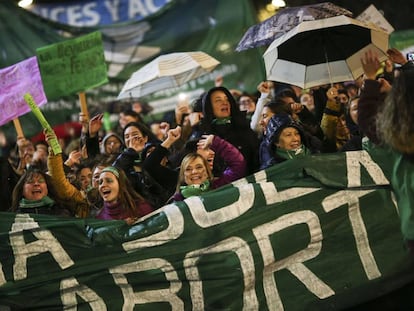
[{"x": 72, "y": 66}]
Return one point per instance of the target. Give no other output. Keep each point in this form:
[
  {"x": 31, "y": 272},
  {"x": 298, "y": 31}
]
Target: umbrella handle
[{"x": 329, "y": 68}]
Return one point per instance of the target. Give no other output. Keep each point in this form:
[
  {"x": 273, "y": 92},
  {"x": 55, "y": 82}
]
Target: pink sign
[{"x": 15, "y": 82}]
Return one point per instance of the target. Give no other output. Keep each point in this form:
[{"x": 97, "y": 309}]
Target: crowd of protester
[{"x": 132, "y": 169}]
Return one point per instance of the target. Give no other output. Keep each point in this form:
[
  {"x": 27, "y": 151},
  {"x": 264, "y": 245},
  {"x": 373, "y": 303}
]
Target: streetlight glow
[
  {"x": 25, "y": 3},
  {"x": 279, "y": 3}
]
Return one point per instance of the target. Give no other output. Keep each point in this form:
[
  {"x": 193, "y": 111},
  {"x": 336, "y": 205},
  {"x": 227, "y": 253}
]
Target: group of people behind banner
[{"x": 128, "y": 172}]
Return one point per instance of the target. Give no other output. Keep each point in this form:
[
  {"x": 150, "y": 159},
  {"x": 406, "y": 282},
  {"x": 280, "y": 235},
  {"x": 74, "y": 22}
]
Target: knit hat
[
  {"x": 277, "y": 123},
  {"x": 106, "y": 138}
]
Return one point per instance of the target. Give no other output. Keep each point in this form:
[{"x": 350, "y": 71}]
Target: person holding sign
[{"x": 64, "y": 189}]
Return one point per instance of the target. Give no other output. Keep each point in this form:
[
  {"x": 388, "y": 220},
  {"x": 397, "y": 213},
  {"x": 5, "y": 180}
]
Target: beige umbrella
[{"x": 167, "y": 71}]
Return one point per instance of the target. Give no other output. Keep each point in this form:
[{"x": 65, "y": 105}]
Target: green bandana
[
  {"x": 221, "y": 121},
  {"x": 290, "y": 154},
  {"x": 193, "y": 190},
  {"x": 44, "y": 202}
]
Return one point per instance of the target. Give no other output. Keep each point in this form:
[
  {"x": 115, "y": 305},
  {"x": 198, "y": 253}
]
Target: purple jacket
[{"x": 236, "y": 165}]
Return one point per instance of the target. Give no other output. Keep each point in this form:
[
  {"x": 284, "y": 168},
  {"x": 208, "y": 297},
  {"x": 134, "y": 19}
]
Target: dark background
[{"x": 399, "y": 13}]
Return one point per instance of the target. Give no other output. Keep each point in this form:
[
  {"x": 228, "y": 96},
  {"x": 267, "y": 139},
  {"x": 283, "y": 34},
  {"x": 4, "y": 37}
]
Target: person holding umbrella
[{"x": 385, "y": 115}]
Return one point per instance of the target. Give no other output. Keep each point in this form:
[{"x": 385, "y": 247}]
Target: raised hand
[
  {"x": 95, "y": 124},
  {"x": 172, "y": 136},
  {"x": 370, "y": 64},
  {"x": 396, "y": 56},
  {"x": 205, "y": 141}
]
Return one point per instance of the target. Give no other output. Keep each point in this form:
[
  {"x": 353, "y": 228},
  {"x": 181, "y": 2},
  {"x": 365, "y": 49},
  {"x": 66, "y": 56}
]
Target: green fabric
[
  {"x": 45, "y": 202},
  {"x": 192, "y": 190},
  {"x": 291, "y": 154},
  {"x": 222, "y": 121},
  {"x": 319, "y": 232},
  {"x": 72, "y": 66},
  {"x": 138, "y": 160},
  {"x": 402, "y": 182}
]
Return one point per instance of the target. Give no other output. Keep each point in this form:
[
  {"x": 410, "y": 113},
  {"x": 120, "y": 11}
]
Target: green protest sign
[
  {"x": 72, "y": 66},
  {"x": 316, "y": 233}
]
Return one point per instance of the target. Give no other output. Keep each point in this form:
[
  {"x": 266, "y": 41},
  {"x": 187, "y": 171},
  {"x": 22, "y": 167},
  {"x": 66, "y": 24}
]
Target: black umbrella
[
  {"x": 323, "y": 51},
  {"x": 284, "y": 20}
]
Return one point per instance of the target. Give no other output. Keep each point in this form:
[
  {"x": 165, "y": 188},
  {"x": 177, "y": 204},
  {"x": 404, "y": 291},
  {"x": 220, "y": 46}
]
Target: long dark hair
[{"x": 143, "y": 128}]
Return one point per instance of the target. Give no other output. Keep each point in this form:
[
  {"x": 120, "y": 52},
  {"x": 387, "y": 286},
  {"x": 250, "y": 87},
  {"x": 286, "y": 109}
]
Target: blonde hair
[{"x": 185, "y": 162}]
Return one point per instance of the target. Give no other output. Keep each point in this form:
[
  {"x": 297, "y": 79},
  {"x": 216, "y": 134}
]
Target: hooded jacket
[
  {"x": 276, "y": 124},
  {"x": 237, "y": 131}
]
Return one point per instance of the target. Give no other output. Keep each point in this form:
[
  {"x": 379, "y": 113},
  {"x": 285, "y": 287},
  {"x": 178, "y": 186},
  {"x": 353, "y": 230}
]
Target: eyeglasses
[
  {"x": 197, "y": 168},
  {"x": 245, "y": 102}
]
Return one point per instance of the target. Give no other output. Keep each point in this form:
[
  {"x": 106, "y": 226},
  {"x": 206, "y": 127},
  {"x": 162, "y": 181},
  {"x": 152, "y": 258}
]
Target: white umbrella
[
  {"x": 167, "y": 71},
  {"x": 323, "y": 51}
]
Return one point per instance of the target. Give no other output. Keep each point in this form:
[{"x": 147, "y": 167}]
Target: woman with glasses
[
  {"x": 35, "y": 193},
  {"x": 196, "y": 170}
]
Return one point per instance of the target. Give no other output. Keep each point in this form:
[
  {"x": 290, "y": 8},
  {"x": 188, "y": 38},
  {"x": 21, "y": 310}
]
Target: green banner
[
  {"x": 72, "y": 66},
  {"x": 402, "y": 39},
  {"x": 316, "y": 233}
]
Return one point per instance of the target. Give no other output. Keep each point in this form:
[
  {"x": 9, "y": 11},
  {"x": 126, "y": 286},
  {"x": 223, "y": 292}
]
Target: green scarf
[
  {"x": 222, "y": 121},
  {"x": 290, "y": 154},
  {"x": 138, "y": 160},
  {"x": 193, "y": 190},
  {"x": 45, "y": 202}
]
